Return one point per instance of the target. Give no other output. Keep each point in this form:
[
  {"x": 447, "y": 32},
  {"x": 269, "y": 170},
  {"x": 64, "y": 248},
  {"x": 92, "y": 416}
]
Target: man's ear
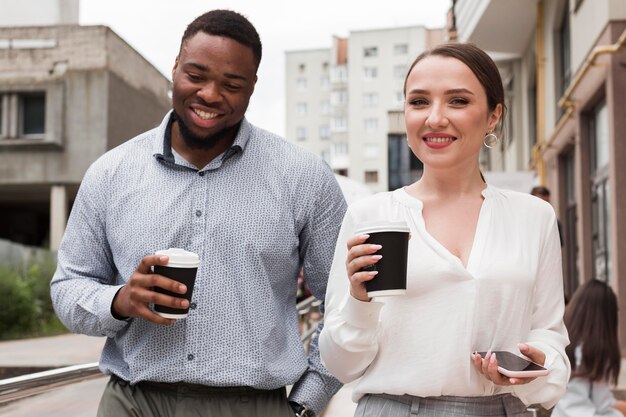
[{"x": 175, "y": 67}]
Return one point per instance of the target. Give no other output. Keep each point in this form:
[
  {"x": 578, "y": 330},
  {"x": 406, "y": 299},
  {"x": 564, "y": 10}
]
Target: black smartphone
[{"x": 514, "y": 366}]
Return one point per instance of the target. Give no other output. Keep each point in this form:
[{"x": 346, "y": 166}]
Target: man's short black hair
[
  {"x": 228, "y": 24},
  {"x": 540, "y": 190}
]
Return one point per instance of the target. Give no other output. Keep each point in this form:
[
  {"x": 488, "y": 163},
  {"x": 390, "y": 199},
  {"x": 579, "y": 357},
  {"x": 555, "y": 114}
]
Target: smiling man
[{"x": 254, "y": 207}]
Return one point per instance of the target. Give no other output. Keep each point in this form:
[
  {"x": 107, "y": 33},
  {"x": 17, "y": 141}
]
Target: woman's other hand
[
  {"x": 488, "y": 366},
  {"x": 360, "y": 255}
]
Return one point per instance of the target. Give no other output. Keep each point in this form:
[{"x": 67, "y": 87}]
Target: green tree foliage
[{"x": 25, "y": 305}]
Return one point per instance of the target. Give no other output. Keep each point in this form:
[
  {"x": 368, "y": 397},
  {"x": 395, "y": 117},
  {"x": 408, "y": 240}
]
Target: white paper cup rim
[
  {"x": 383, "y": 226},
  {"x": 180, "y": 258}
]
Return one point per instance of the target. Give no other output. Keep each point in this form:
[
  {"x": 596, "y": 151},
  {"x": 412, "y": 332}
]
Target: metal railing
[
  {"x": 31, "y": 384},
  {"x": 40, "y": 382}
]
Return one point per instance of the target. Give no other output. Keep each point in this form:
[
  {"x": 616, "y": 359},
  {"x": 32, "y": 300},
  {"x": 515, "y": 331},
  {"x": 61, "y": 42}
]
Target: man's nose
[{"x": 209, "y": 92}]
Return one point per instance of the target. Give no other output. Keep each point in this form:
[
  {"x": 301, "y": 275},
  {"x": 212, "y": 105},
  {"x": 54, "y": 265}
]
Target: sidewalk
[{"x": 51, "y": 352}]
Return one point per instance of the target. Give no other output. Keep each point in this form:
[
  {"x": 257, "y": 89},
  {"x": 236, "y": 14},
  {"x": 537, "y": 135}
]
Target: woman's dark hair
[
  {"x": 591, "y": 320},
  {"x": 481, "y": 65},
  {"x": 228, "y": 24}
]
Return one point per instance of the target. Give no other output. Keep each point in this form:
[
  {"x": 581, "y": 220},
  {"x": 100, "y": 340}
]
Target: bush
[
  {"x": 17, "y": 309},
  {"x": 25, "y": 305}
]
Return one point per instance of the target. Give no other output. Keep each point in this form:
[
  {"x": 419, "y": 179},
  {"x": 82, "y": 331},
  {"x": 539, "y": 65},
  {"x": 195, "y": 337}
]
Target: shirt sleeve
[
  {"x": 548, "y": 332},
  {"x": 349, "y": 342},
  {"x": 84, "y": 284},
  {"x": 317, "y": 241}
]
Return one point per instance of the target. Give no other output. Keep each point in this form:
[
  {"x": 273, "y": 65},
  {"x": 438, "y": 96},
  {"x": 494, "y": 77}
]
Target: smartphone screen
[{"x": 512, "y": 362}]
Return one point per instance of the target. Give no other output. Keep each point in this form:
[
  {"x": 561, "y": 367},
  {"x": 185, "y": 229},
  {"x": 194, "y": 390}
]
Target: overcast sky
[{"x": 154, "y": 29}]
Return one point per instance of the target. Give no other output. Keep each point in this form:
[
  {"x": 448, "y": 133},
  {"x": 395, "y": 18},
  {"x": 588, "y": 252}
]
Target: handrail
[
  {"x": 40, "y": 382},
  {"x": 36, "y": 383}
]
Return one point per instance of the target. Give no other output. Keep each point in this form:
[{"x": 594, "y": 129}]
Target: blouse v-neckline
[{"x": 478, "y": 242}]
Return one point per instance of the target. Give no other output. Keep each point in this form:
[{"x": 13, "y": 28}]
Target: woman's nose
[{"x": 437, "y": 117}]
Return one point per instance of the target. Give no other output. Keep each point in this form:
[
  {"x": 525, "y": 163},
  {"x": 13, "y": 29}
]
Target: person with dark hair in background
[
  {"x": 591, "y": 320},
  {"x": 544, "y": 193},
  {"x": 484, "y": 267},
  {"x": 255, "y": 208}
]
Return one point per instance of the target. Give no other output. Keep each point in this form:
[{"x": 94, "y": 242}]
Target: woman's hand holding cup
[{"x": 360, "y": 256}]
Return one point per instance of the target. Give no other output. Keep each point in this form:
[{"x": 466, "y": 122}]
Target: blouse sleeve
[
  {"x": 548, "y": 332},
  {"x": 349, "y": 341}
]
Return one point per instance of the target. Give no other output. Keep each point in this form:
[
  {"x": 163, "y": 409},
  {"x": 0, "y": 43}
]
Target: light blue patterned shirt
[{"x": 255, "y": 214}]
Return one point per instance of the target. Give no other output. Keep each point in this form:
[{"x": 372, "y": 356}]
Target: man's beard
[{"x": 198, "y": 142}]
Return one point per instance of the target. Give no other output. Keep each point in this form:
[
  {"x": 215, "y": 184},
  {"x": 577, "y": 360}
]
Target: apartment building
[
  {"x": 563, "y": 62},
  {"x": 343, "y": 102},
  {"x": 68, "y": 93}
]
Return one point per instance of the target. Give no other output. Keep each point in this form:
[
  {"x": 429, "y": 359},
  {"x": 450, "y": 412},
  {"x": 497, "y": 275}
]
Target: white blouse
[{"x": 421, "y": 343}]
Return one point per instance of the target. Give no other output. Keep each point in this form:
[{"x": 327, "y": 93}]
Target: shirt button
[
  {"x": 190, "y": 357},
  {"x": 192, "y": 306},
  {"x": 201, "y": 173},
  {"x": 198, "y": 213}
]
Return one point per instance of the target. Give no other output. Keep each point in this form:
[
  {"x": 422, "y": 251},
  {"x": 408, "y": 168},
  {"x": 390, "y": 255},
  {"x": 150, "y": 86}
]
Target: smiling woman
[{"x": 492, "y": 254}]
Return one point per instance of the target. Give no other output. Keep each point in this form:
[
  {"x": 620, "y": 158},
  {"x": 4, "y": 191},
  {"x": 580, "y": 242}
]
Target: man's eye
[{"x": 193, "y": 77}]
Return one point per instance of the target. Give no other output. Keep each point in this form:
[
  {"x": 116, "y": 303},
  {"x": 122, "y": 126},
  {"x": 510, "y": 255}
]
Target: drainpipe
[
  {"x": 537, "y": 157},
  {"x": 567, "y": 102}
]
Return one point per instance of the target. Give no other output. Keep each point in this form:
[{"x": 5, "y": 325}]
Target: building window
[
  {"x": 370, "y": 124},
  {"x": 325, "y": 82},
  {"x": 324, "y": 66},
  {"x": 403, "y": 166},
  {"x": 324, "y": 132},
  {"x": 371, "y": 177},
  {"x": 532, "y": 119},
  {"x": 371, "y": 151},
  {"x": 301, "y": 109},
  {"x": 325, "y": 107},
  {"x": 338, "y": 98},
  {"x": 563, "y": 67},
  {"x": 340, "y": 148},
  {"x": 339, "y": 74},
  {"x": 398, "y": 98},
  {"x": 370, "y": 51},
  {"x": 571, "y": 223},
  {"x": 600, "y": 192},
  {"x": 370, "y": 73},
  {"x": 401, "y": 49},
  {"x": 2, "y": 122},
  {"x": 370, "y": 99},
  {"x": 339, "y": 124},
  {"x": 301, "y": 68},
  {"x": 301, "y": 133},
  {"x": 399, "y": 72},
  {"x": 301, "y": 84},
  {"x": 23, "y": 115}
]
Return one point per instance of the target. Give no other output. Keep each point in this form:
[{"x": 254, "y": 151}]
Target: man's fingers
[{"x": 147, "y": 262}]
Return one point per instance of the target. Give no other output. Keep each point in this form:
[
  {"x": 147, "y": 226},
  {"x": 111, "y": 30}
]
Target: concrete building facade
[
  {"x": 68, "y": 94},
  {"x": 565, "y": 61},
  {"x": 339, "y": 101}
]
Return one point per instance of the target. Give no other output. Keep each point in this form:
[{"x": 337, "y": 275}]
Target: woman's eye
[
  {"x": 418, "y": 102},
  {"x": 459, "y": 101}
]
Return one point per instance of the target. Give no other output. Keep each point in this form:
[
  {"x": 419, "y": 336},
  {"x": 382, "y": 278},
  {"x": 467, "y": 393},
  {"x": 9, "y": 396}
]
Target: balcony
[{"x": 501, "y": 27}]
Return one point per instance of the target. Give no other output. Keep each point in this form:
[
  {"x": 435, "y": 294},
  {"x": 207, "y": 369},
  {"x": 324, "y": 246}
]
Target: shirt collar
[{"x": 162, "y": 148}]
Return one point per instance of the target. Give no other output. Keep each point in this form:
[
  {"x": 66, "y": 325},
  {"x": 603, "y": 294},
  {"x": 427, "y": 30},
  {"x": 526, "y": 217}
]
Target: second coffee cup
[
  {"x": 182, "y": 267},
  {"x": 393, "y": 236}
]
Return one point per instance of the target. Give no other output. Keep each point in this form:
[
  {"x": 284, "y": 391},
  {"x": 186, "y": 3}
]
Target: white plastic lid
[
  {"x": 382, "y": 226},
  {"x": 180, "y": 258}
]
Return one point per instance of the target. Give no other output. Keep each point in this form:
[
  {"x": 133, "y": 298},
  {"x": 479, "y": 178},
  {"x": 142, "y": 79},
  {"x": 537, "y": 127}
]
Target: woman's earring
[{"x": 490, "y": 140}]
